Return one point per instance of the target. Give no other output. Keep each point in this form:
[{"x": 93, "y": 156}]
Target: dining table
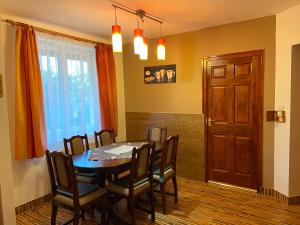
[{"x": 109, "y": 159}]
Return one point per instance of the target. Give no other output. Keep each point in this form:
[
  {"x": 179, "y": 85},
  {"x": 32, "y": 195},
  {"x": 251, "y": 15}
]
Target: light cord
[
  {"x": 116, "y": 20},
  {"x": 138, "y": 21},
  {"x": 160, "y": 29}
]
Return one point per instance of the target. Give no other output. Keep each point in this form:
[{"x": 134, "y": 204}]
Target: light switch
[{"x": 1, "y": 86}]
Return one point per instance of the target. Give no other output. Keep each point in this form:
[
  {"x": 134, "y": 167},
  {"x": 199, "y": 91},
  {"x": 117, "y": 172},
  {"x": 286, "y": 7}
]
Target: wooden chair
[
  {"x": 167, "y": 169},
  {"x": 66, "y": 192},
  {"x": 157, "y": 134},
  {"x": 105, "y": 137},
  {"x": 102, "y": 138},
  {"x": 76, "y": 145},
  {"x": 138, "y": 182}
]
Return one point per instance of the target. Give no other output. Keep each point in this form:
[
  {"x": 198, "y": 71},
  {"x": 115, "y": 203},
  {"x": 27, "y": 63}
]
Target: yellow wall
[
  {"x": 186, "y": 51},
  {"x": 6, "y": 173}
]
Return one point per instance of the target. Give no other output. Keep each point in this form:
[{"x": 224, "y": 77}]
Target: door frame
[{"x": 259, "y": 146}]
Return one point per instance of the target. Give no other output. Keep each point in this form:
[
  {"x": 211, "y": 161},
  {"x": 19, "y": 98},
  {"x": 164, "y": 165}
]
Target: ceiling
[{"x": 97, "y": 16}]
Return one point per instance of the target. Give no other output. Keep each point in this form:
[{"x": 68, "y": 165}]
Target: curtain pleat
[
  {"x": 107, "y": 87},
  {"x": 30, "y": 128}
]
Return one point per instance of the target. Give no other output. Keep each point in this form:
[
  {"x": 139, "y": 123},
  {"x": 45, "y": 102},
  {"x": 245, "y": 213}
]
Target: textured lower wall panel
[
  {"x": 190, "y": 127},
  {"x": 291, "y": 200},
  {"x": 34, "y": 203}
]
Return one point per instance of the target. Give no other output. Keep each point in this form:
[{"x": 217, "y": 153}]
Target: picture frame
[{"x": 160, "y": 74}]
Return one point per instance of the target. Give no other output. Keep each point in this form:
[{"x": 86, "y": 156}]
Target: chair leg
[
  {"x": 132, "y": 211},
  {"x": 174, "y": 180},
  {"x": 83, "y": 214},
  {"x": 151, "y": 195},
  {"x": 163, "y": 194},
  {"x": 128, "y": 205},
  {"x": 53, "y": 214},
  {"x": 116, "y": 176},
  {"x": 92, "y": 210},
  {"x": 76, "y": 217},
  {"x": 103, "y": 216}
]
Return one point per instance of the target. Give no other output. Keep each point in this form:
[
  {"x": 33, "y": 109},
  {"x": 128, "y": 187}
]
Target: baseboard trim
[
  {"x": 34, "y": 203},
  {"x": 294, "y": 200},
  {"x": 230, "y": 186}
]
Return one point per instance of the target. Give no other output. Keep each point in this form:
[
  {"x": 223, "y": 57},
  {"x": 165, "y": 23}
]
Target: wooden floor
[{"x": 199, "y": 203}]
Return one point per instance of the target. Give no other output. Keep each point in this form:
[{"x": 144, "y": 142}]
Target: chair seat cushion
[
  {"x": 84, "y": 199},
  {"x": 121, "y": 186},
  {"x": 87, "y": 180},
  {"x": 86, "y": 177},
  {"x": 168, "y": 173},
  {"x": 83, "y": 189},
  {"x": 86, "y": 174},
  {"x": 124, "y": 181}
]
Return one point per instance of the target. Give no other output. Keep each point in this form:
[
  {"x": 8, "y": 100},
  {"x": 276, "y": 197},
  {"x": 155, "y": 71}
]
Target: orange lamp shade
[
  {"x": 116, "y": 38},
  {"x": 161, "y": 49},
  {"x": 144, "y": 50},
  {"x": 138, "y": 40}
]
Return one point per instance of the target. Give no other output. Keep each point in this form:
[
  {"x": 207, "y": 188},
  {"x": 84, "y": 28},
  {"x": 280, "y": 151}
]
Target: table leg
[{"x": 101, "y": 179}]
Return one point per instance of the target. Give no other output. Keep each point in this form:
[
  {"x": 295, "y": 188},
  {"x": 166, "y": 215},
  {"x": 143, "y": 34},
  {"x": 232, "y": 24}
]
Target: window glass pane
[
  {"x": 70, "y": 88},
  {"x": 44, "y": 63}
]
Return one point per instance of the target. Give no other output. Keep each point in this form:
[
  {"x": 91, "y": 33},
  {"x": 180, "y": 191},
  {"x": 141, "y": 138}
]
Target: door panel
[
  {"x": 242, "y": 111},
  {"x": 242, "y": 69},
  {"x": 233, "y": 110},
  {"x": 218, "y": 72},
  {"x": 219, "y": 104},
  {"x": 219, "y": 153},
  {"x": 243, "y": 155}
]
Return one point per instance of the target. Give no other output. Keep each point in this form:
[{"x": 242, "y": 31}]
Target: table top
[{"x": 83, "y": 161}]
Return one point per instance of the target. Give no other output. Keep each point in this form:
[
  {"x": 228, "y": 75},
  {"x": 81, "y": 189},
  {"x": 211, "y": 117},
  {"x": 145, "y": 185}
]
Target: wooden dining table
[{"x": 108, "y": 163}]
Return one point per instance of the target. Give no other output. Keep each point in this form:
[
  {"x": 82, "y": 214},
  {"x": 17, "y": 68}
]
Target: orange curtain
[
  {"x": 107, "y": 87},
  {"x": 30, "y": 127}
]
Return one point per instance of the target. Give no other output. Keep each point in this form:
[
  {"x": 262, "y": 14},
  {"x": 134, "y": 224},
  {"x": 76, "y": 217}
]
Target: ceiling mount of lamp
[{"x": 140, "y": 41}]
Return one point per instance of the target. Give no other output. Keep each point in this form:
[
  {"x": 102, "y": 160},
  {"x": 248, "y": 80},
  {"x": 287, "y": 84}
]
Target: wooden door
[{"x": 233, "y": 116}]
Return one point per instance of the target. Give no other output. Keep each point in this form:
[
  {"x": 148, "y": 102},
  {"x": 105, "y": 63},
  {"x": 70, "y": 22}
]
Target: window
[{"x": 70, "y": 88}]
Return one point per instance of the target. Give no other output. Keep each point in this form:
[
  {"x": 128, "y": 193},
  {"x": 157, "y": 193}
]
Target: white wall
[
  {"x": 6, "y": 174},
  {"x": 31, "y": 176},
  {"x": 287, "y": 34}
]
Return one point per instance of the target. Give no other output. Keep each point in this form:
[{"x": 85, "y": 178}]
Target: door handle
[{"x": 209, "y": 121}]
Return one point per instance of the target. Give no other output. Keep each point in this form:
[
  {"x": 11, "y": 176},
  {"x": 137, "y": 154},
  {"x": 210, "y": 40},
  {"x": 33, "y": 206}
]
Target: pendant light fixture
[
  {"x": 138, "y": 37},
  {"x": 144, "y": 50},
  {"x": 139, "y": 41},
  {"x": 116, "y": 35},
  {"x": 161, "y": 48}
]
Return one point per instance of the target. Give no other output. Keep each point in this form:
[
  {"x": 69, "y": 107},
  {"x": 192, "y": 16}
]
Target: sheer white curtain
[{"x": 70, "y": 88}]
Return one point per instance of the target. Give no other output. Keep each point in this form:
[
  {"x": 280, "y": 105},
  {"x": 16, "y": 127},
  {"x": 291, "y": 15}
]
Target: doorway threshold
[{"x": 231, "y": 186}]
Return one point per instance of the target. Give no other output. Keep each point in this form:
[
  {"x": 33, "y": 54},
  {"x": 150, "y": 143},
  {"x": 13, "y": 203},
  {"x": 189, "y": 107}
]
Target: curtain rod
[{"x": 43, "y": 30}]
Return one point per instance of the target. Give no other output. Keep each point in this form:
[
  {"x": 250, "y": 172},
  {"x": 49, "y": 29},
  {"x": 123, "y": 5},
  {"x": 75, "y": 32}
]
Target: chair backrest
[
  {"x": 157, "y": 134},
  {"x": 169, "y": 154},
  {"x": 78, "y": 144},
  {"x": 104, "y": 137},
  {"x": 141, "y": 163},
  {"x": 61, "y": 173}
]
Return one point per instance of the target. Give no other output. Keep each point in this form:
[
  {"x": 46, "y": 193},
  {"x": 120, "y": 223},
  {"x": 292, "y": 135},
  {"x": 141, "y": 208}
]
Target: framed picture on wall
[{"x": 160, "y": 74}]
